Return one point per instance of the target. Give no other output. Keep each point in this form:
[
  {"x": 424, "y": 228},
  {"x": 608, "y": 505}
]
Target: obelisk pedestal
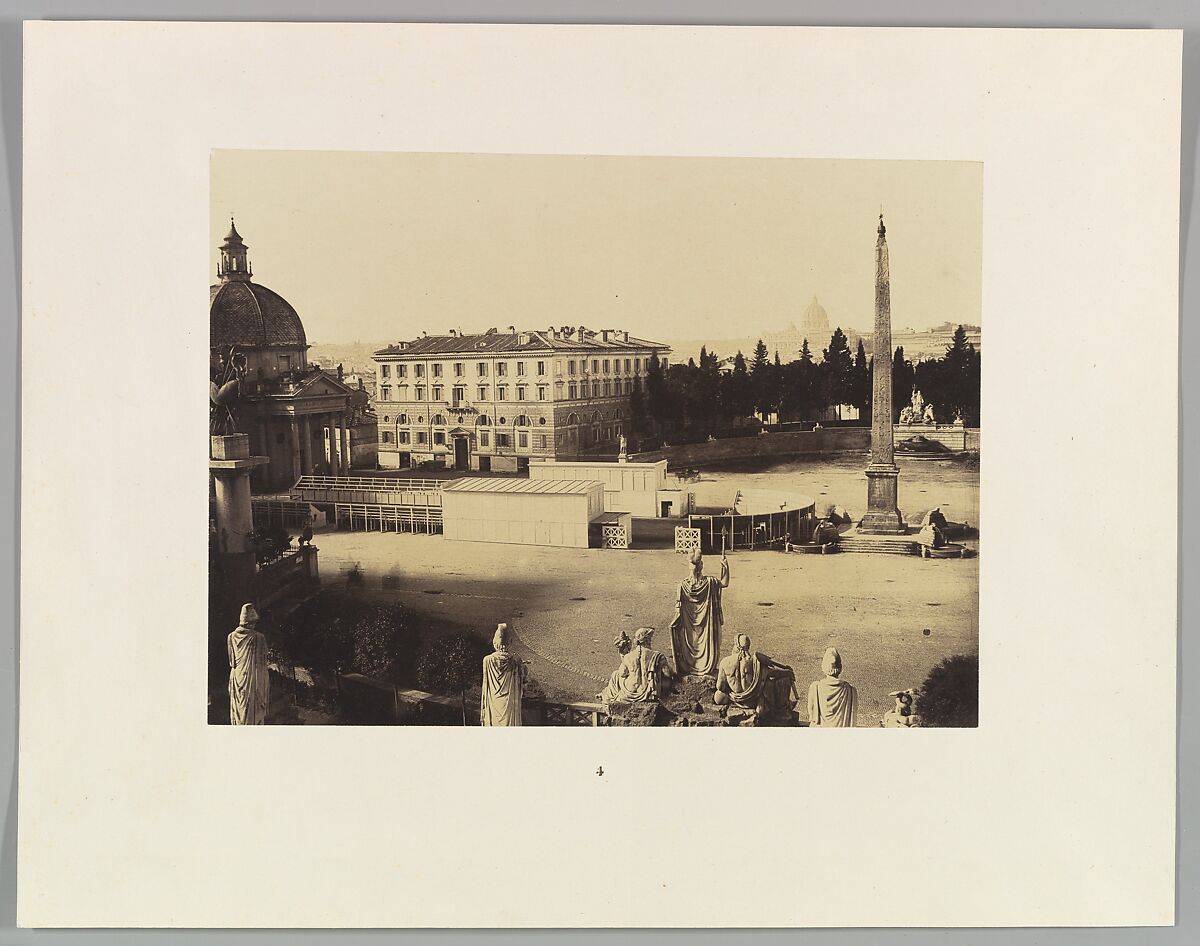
[{"x": 883, "y": 512}]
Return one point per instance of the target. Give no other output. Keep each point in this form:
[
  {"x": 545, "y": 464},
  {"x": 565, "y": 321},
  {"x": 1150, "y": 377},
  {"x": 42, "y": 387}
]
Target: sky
[{"x": 377, "y": 246}]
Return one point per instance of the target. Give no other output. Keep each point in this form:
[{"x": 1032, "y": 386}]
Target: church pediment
[{"x": 323, "y": 385}]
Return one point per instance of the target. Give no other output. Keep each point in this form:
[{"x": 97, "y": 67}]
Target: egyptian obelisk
[{"x": 883, "y": 514}]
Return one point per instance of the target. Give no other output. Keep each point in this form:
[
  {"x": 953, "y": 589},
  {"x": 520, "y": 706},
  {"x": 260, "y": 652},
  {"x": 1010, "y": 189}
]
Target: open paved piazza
[{"x": 891, "y": 617}]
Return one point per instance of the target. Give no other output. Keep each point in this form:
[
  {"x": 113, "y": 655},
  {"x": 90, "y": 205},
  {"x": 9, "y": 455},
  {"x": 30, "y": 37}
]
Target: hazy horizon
[{"x": 377, "y": 246}]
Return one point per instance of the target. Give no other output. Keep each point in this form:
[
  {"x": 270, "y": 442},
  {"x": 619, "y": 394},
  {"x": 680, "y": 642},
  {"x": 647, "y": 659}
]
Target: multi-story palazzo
[{"x": 493, "y": 401}]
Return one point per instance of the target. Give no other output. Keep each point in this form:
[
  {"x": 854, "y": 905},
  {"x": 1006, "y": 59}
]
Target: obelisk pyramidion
[{"x": 883, "y": 514}]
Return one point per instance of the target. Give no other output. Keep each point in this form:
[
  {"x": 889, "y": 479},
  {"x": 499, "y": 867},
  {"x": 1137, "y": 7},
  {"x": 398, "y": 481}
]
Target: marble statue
[
  {"x": 928, "y": 417},
  {"x": 504, "y": 676},
  {"x": 621, "y": 445},
  {"x": 832, "y": 701},
  {"x": 901, "y": 715},
  {"x": 753, "y": 682},
  {"x": 917, "y": 404},
  {"x": 643, "y": 673},
  {"x": 907, "y": 417},
  {"x": 824, "y": 532},
  {"x": 249, "y": 681},
  {"x": 932, "y": 535},
  {"x": 696, "y": 627}
]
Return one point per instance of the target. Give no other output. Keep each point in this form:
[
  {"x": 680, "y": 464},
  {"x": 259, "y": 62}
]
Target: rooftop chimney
[
  {"x": 512, "y": 330},
  {"x": 582, "y": 332}
]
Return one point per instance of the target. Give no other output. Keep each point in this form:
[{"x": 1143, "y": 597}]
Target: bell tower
[{"x": 234, "y": 264}]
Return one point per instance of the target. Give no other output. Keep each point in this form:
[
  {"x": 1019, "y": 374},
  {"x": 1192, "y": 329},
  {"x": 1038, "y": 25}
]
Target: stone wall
[
  {"x": 797, "y": 443},
  {"x": 952, "y": 436}
]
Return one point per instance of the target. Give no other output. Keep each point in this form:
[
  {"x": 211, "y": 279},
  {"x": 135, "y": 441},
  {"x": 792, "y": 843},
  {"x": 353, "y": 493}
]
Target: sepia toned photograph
[{"x": 502, "y": 440}]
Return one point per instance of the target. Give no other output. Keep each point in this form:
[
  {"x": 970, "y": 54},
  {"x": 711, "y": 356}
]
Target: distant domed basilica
[
  {"x": 297, "y": 415},
  {"x": 814, "y": 324}
]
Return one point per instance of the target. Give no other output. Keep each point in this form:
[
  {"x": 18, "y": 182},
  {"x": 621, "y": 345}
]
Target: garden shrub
[{"x": 950, "y": 694}]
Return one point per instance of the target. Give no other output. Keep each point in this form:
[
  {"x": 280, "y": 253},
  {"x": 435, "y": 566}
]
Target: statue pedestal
[{"x": 883, "y": 513}]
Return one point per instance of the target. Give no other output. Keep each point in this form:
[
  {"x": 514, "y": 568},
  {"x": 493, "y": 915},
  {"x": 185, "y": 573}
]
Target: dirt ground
[{"x": 891, "y": 617}]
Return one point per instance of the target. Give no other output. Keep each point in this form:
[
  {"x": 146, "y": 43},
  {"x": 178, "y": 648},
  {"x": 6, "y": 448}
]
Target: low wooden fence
[{"x": 366, "y": 700}]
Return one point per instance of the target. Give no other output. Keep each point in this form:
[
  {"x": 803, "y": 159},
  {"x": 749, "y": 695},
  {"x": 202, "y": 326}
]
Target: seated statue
[
  {"x": 928, "y": 417},
  {"x": 824, "y": 532},
  {"x": 832, "y": 701},
  {"x": 931, "y": 536},
  {"x": 906, "y": 416},
  {"x": 643, "y": 673},
  {"x": 901, "y": 716},
  {"x": 754, "y": 682},
  {"x": 612, "y": 692}
]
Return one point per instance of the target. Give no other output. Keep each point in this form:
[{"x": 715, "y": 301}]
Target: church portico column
[
  {"x": 346, "y": 457},
  {"x": 306, "y": 444},
  {"x": 295, "y": 435},
  {"x": 335, "y": 463}
]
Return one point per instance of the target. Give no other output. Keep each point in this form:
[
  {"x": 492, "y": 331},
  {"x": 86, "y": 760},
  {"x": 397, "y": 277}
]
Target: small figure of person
[
  {"x": 832, "y": 702},
  {"x": 249, "y": 679}
]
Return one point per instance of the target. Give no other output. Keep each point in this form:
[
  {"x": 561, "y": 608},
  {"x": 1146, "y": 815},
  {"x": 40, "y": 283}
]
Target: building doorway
[
  {"x": 462, "y": 458},
  {"x": 485, "y": 464}
]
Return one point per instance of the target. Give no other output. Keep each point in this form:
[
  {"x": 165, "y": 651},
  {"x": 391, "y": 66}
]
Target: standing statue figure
[
  {"x": 504, "y": 677},
  {"x": 249, "y": 681},
  {"x": 918, "y": 404},
  {"x": 755, "y": 683},
  {"x": 643, "y": 673},
  {"x": 696, "y": 628},
  {"x": 832, "y": 701},
  {"x": 622, "y": 443}
]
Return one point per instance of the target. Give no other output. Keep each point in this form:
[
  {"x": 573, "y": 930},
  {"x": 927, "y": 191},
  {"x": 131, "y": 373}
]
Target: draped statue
[
  {"x": 504, "y": 676},
  {"x": 696, "y": 627},
  {"x": 832, "y": 701},
  {"x": 249, "y": 680},
  {"x": 643, "y": 673},
  {"x": 754, "y": 682}
]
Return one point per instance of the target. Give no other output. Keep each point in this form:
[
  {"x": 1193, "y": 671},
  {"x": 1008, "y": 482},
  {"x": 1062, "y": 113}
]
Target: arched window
[
  {"x": 521, "y": 421},
  {"x": 482, "y": 421},
  {"x": 438, "y": 419},
  {"x": 402, "y": 419},
  {"x": 572, "y": 419}
]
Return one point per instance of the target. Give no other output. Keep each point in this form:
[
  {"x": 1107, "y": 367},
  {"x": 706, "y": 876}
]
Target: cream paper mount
[{"x": 1058, "y": 810}]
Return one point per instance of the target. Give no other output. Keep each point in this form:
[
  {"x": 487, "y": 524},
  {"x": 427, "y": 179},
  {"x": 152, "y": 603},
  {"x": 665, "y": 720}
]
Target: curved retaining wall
[{"x": 792, "y": 443}]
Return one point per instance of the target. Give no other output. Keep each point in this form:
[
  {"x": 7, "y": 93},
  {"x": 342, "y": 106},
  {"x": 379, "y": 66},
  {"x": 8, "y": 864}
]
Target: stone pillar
[
  {"x": 295, "y": 433},
  {"x": 230, "y": 464},
  {"x": 335, "y": 462},
  {"x": 306, "y": 443},
  {"x": 883, "y": 513},
  {"x": 346, "y": 456}
]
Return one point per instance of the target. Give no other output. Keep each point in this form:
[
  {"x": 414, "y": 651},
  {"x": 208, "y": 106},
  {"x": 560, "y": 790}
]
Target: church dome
[
  {"x": 246, "y": 314},
  {"x": 243, "y": 313},
  {"x": 815, "y": 318}
]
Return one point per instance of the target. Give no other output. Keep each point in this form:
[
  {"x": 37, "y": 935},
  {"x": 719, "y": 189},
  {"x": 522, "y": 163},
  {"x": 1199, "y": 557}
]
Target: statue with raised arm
[
  {"x": 249, "y": 680},
  {"x": 696, "y": 627},
  {"x": 504, "y": 676}
]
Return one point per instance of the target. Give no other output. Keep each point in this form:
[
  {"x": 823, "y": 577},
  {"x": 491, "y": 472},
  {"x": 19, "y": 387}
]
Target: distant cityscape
[{"x": 815, "y": 325}]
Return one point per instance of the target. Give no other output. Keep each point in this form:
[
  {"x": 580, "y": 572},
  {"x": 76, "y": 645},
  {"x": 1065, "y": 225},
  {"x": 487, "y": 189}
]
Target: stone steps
[{"x": 878, "y": 545}]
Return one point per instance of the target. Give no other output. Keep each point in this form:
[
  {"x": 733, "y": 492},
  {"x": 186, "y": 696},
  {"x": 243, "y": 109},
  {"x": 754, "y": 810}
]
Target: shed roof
[{"x": 479, "y": 484}]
